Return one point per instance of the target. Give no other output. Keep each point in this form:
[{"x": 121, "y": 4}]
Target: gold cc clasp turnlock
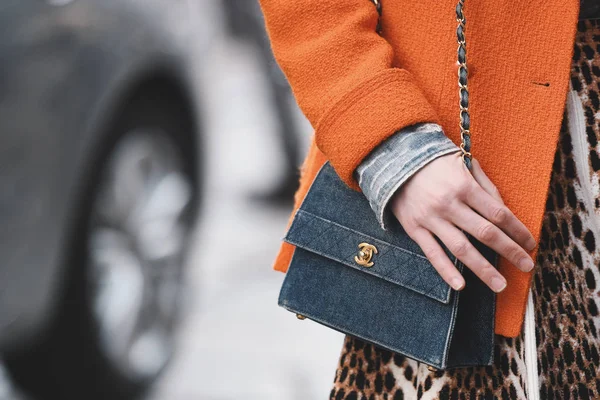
[{"x": 365, "y": 254}]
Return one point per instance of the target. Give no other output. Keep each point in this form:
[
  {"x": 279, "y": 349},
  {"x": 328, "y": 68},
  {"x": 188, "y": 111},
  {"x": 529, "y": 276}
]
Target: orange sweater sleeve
[{"x": 342, "y": 76}]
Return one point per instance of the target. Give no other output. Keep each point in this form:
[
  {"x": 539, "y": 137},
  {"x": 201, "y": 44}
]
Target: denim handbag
[{"x": 377, "y": 285}]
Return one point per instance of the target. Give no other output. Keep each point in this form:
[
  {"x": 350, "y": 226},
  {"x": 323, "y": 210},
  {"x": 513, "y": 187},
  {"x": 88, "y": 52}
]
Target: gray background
[{"x": 234, "y": 342}]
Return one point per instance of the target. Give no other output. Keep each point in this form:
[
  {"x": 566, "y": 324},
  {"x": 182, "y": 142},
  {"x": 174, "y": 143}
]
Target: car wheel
[{"x": 113, "y": 332}]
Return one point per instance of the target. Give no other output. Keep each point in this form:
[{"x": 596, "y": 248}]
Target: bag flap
[{"x": 334, "y": 219}]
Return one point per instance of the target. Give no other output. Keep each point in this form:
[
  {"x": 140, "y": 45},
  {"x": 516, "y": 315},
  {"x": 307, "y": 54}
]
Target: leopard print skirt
[{"x": 565, "y": 292}]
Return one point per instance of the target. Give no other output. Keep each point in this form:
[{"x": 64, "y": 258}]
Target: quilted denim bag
[{"x": 377, "y": 285}]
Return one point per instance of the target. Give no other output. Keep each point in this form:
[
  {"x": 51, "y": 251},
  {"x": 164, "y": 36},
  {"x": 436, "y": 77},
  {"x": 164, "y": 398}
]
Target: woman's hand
[{"x": 443, "y": 198}]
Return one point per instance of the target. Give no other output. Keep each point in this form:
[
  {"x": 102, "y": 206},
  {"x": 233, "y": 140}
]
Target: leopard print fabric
[{"x": 566, "y": 285}]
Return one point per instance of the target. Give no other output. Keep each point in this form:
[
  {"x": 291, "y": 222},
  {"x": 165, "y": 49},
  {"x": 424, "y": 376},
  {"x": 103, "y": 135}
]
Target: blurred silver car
[{"x": 99, "y": 183}]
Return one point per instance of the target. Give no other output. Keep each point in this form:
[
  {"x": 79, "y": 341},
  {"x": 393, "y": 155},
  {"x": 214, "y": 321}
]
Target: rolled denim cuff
[{"x": 394, "y": 161}]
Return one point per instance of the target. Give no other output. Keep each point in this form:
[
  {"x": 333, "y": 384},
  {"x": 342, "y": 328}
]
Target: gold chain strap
[
  {"x": 378, "y": 7},
  {"x": 463, "y": 77},
  {"x": 463, "y": 90}
]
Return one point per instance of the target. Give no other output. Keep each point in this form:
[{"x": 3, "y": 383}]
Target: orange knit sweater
[{"x": 358, "y": 88}]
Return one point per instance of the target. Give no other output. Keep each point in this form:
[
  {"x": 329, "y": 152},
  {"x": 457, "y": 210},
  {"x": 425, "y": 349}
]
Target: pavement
[{"x": 235, "y": 342}]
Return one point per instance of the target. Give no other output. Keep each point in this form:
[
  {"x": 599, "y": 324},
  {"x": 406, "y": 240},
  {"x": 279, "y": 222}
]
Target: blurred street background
[{"x": 234, "y": 342}]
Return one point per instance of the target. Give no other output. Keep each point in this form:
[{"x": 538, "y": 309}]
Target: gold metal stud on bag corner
[
  {"x": 300, "y": 317},
  {"x": 365, "y": 255}
]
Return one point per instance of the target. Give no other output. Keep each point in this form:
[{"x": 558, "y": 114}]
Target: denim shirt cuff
[{"x": 394, "y": 161}]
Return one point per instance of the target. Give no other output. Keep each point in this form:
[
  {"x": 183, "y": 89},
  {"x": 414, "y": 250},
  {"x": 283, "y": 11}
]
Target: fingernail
[
  {"x": 530, "y": 245},
  {"x": 498, "y": 284},
  {"x": 526, "y": 264},
  {"x": 457, "y": 283}
]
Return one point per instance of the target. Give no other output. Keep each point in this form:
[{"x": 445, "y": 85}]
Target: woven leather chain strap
[{"x": 463, "y": 77}]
